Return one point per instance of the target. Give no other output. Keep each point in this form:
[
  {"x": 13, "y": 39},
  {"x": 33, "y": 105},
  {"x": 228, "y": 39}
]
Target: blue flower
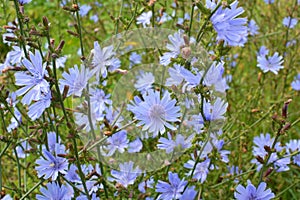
[
  {"x": 135, "y": 146},
  {"x": 75, "y": 79},
  {"x": 117, "y": 141},
  {"x": 176, "y": 77},
  {"x": 177, "y": 42},
  {"x": 280, "y": 164},
  {"x": 51, "y": 165},
  {"x": 72, "y": 175},
  {"x": 99, "y": 102},
  {"x": 15, "y": 56},
  {"x": 83, "y": 197},
  {"x": 215, "y": 111},
  {"x": 135, "y": 59},
  {"x": 33, "y": 81},
  {"x": 37, "y": 108},
  {"x": 22, "y": 2},
  {"x": 144, "y": 19},
  {"x": 289, "y": 22},
  {"x": 7, "y": 197},
  {"x": 273, "y": 64},
  {"x": 263, "y": 51},
  {"x": 127, "y": 175},
  {"x": 15, "y": 122},
  {"x": 84, "y": 9},
  {"x": 155, "y": 113},
  {"x": 201, "y": 170},
  {"x": 293, "y": 146},
  {"x": 252, "y": 27},
  {"x": 171, "y": 190},
  {"x": 229, "y": 28},
  {"x": 253, "y": 193},
  {"x": 25, "y": 146},
  {"x": 146, "y": 184},
  {"x": 55, "y": 192},
  {"x": 192, "y": 80},
  {"x": 144, "y": 81},
  {"x": 269, "y": 1},
  {"x": 169, "y": 144},
  {"x": 95, "y": 18},
  {"x": 296, "y": 83},
  {"x": 103, "y": 59},
  {"x": 53, "y": 141},
  {"x": 189, "y": 194}
]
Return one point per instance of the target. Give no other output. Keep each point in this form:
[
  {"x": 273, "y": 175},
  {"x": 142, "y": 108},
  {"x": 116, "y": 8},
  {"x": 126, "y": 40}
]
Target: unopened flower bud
[
  {"x": 186, "y": 52},
  {"x": 260, "y": 159},
  {"x": 33, "y": 45},
  {"x": 73, "y": 33},
  {"x": 11, "y": 39},
  {"x": 268, "y": 172},
  {"x": 60, "y": 46},
  {"x": 286, "y": 127},
  {"x": 267, "y": 149},
  {"x": 186, "y": 40},
  {"x": 46, "y": 22},
  {"x": 54, "y": 55},
  {"x": 75, "y": 6},
  {"x": 285, "y": 107},
  {"x": 67, "y": 8}
]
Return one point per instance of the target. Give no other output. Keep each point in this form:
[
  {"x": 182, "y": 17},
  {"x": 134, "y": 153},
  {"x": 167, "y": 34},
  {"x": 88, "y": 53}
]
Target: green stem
[
  {"x": 191, "y": 22},
  {"x": 269, "y": 155},
  {"x": 201, "y": 31},
  {"x": 19, "y": 170},
  {"x": 21, "y": 27},
  {"x": 94, "y": 136},
  {"x": 32, "y": 189},
  {"x": 79, "y": 30}
]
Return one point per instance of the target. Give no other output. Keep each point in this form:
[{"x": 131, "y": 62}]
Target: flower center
[{"x": 157, "y": 112}]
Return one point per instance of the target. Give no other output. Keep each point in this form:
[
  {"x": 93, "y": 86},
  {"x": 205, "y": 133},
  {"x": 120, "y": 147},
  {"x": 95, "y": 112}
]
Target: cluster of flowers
[{"x": 157, "y": 112}]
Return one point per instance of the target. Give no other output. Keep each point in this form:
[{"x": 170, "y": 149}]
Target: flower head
[
  {"x": 76, "y": 80},
  {"x": 253, "y": 193},
  {"x": 155, "y": 113},
  {"x": 144, "y": 19},
  {"x": 144, "y": 81},
  {"x": 232, "y": 30},
  {"x": 177, "y": 42},
  {"x": 173, "y": 189},
  {"x": 104, "y": 59},
  {"x": 35, "y": 86},
  {"x": 289, "y": 22},
  {"x": 51, "y": 166},
  {"x": 117, "y": 141},
  {"x": 273, "y": 63},
  {"x": 127, "y": 175},
  {"x": 55, "y": 192},
  {"x": 296, "y": 83},
  {"x": 22, "y": 2},
  {"x": 252, "y": 27}
]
